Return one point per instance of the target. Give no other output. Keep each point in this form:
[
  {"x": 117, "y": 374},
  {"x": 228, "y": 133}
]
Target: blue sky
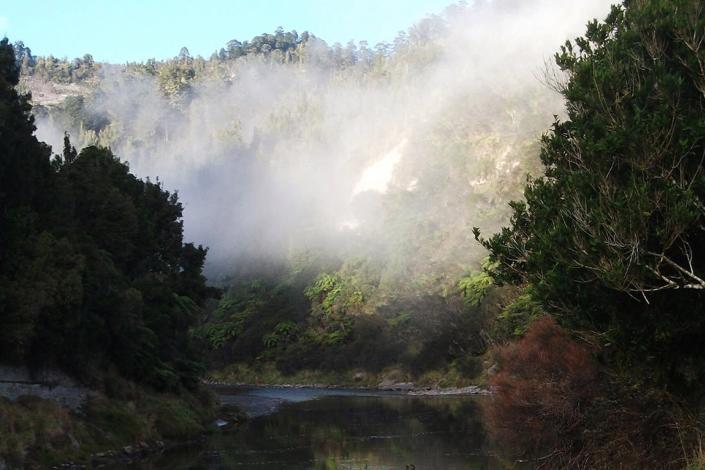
[{"x": 122, "y": 30}]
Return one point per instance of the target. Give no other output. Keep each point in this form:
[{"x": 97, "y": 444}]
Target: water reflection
[{"x": 348, "y": 432}]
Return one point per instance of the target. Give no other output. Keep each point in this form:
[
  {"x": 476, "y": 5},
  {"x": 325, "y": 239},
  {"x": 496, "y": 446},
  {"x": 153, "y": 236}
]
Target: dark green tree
[
  {"x": 69, "y": 154},
  {"x": 25, "y": 174},
  {"x": 93, "y": 269},
  {"x": 612, "y": 237}
]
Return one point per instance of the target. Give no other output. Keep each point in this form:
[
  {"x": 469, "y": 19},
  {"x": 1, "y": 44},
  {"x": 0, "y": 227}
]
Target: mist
[{"x": 272, "y": 158}]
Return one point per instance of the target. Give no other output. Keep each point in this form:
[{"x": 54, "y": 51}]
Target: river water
[{"x": 303, "y": 428}]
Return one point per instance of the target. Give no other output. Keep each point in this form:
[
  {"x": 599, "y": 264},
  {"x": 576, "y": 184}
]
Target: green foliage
[
  {"x": 175, "y": 81},
  {"x": 334, "y": 327},
  {"x": 611, "y": 238},
  {"x": 333, "y": 295},
  {"x": 334, "y": 303},
  {"x": 124, "y": 422},
  {"x": 63, "y": 71},
  {"x": 220, "y": 333},
  {"x": 325, "y": 290},
  {"x": 56, "y": 70},
  {"x": 175, "y": 419},
  {"x": 37, "y": 433},
  {"x": 514, "y": 320},
  {"x": 93, "y": 270},
  {"x": 474, "y": 287},
  {"x": 283, "y": 334}
]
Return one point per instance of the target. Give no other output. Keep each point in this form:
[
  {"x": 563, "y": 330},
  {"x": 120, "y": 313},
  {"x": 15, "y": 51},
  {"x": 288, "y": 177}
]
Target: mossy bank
[{"x": 38, "y": 433}]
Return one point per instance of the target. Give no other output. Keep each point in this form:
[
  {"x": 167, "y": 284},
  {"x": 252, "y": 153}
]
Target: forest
[
  {"x": 354, "y": 274},
  {"x": 292, "y": 212}
]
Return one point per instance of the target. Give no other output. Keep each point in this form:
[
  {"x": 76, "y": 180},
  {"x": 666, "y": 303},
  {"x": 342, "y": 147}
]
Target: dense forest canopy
[{"x": 93, "y": 271}]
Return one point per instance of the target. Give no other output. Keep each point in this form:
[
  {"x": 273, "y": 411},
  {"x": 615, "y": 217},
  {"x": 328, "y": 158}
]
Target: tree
[
  {"x": 25, "y": 173},
  {"x": 542, "y": 391},
  {"x": 234, "y": 50},
  {"x": 23, "y": 55},
  {"x": 184, "y": 55},
  {"x": 93, "y": 269},
  {"x": 69, "y": 154},
  {"x": 613, "y": 235}
]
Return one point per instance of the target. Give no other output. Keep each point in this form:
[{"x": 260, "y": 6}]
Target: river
[{"x": 308, "y": 428}]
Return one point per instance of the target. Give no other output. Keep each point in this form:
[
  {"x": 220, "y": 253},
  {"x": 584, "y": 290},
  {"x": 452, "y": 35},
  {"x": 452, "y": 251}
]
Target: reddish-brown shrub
[{"x": 544, "y": 384}]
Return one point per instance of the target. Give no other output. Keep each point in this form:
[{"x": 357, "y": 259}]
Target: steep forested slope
[
  {"x": 93, "y": 268},
  {"x": 345, "y": 181},
  {"x": 339, "y": 188}
]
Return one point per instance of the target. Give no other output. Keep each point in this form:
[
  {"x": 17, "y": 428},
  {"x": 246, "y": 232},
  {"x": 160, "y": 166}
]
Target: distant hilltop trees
[
  {"x": 51, "y": 69},
  {"x": 280, "y": 47}
]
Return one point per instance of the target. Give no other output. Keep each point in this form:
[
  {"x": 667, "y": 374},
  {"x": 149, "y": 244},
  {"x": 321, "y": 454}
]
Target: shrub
[
  {"x": 122, "y": 423},
  {"x": 174, "y": 419},
  {"x": 545, "y": 382},
  {"x": 514, "y": 320}
]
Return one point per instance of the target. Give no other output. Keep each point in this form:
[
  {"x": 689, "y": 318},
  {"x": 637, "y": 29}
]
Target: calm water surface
[{"x": 341, "y": 429}]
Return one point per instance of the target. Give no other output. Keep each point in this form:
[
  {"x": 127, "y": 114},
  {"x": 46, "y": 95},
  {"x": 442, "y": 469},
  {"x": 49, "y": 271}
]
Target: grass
[
  {"x": 114, "y": 424},
  {"x": 267, "y": 374},
  {"x": 39, "y": 433},
  {"x": 33, "y": 425},
  {"x": 175, "y": 419},
  {"x": 696, "y": 459}
]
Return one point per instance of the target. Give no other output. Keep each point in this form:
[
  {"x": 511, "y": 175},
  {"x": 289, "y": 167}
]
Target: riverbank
[
  {"x": 39, "y": 433},
  {"x": 399, "y": 388},
  {"x": 437, "y": 382},
  {"x": 294, "y": 427}
]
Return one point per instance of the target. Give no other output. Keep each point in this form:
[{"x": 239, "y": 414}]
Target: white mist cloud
[{"x": 269, "y": 160}]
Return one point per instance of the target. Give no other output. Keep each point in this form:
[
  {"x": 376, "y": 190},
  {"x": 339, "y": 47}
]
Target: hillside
[{"x": 507, "y": 195}]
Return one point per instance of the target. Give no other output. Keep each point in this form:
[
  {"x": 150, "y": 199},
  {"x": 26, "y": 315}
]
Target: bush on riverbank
[
  {"x": 545, "y": 383},
  {"x": 555, "y": 405},
  {"x": 610, "y": 240}
]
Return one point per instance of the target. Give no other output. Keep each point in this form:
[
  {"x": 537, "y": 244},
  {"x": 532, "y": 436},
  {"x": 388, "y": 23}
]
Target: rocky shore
[{"x": 408, "y": 388}]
